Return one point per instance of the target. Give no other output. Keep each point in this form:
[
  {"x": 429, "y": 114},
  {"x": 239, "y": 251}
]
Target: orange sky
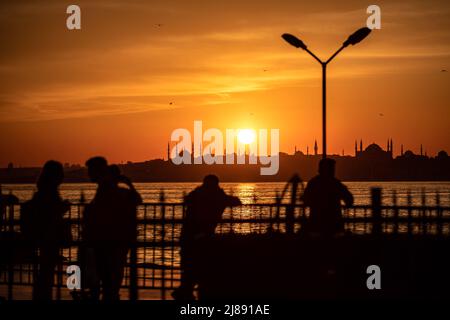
[{"x": 106, "y": 89}]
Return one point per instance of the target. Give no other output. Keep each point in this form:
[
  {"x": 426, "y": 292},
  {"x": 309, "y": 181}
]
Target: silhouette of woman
[{"x": 44, "y": 227}]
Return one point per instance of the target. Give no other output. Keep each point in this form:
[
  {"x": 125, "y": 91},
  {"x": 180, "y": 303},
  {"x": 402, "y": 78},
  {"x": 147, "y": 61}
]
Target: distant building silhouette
[
  {"x": 371, "y": 163},
  {"x": 442, "y": 155}
]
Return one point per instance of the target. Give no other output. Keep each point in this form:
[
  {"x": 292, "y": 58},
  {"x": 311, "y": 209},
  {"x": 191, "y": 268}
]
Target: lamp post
[{"x": 353, "y": 39}]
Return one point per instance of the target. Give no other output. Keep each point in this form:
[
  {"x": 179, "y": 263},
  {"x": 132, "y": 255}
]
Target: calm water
[{"x": 263, "y": 192}]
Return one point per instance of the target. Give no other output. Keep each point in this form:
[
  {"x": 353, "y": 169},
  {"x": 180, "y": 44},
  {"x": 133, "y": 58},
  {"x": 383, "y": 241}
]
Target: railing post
[
  {"x": 291, "y": 208},
  {"x": 81, "y": 245},
  {"x": 409, "y": 203},
  {"x": 423, "y": 213},
  {"x": 9, "y": 214},
  {"x": 277, "y": 214},
  {"x": 3, "y": 215},
  {"x": 1, "y": 208},
  {"x": 10, "y": 210},
  {"x": 439, "y": 214},
  {"x": 376, "y": 211},
  {"x": 163, "y": 236},
  {"x": 133, "y": 289},
  {"x": 394, "y": 202},
  {"x": 59, "y": 271}
]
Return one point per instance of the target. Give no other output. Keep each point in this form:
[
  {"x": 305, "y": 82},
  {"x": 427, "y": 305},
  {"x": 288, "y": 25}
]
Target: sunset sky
[{"x": 137, "y": 70}]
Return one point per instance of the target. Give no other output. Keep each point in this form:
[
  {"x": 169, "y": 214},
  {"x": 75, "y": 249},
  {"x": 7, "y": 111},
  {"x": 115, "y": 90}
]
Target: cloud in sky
[
  {"x": 211, "y": 56},
  {"x": 122, "y": 61}
]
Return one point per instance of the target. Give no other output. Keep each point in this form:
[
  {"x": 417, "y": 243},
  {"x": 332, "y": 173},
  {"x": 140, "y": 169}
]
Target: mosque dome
[{"x": 373, "y": 148}]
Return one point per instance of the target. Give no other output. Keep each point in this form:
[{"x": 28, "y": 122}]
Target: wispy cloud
[{"x": 122, "y": 62}]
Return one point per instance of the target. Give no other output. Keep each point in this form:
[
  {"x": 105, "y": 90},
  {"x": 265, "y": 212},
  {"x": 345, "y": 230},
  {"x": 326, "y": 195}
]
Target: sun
[{"x": 246, "y": 136}]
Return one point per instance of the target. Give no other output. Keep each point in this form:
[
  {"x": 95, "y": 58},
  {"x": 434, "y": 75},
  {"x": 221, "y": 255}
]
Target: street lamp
[{"x": 353, "y": 39}]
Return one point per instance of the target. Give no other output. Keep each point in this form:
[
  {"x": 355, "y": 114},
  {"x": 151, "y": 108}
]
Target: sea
[{"x": 428, "y": 193}]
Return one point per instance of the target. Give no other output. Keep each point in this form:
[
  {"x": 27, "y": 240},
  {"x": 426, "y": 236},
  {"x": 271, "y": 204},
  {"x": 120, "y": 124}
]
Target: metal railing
[{"x": 154, "y": 264}]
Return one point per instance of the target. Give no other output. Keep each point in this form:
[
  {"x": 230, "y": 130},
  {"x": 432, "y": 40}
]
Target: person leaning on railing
[
  {"x": 204, "y": 208},
  {"x": 324, "y": 194}
]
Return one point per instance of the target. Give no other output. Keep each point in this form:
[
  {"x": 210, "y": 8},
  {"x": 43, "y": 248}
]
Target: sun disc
[{"x": 246, "y": 136}]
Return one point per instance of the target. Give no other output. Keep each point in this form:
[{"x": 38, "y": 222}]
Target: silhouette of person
[
  {"x": 6, "y": 252},
  {"x": 323, "y": 194},
  {"x": 42, "y": 224},
  {"x": 204, "y": 208},
  {"x": 110, "y": 224},
  {"x": 6, "y": 200}
]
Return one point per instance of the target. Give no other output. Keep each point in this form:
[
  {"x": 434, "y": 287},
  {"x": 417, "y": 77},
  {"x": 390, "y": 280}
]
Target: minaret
[
  {"x": 295, "y": 150},
  {"x": 356, "y": 148},
  {"x": 168, "y": 151},
  {"x": 360, "y": 145},
  {"x": 315, "y": 147},
  {"x": 392, "y": 148},
  {"x": 307, "y": 150},
  {"x": 421, "y": 150},
  {"x": 388, "y": 145}
]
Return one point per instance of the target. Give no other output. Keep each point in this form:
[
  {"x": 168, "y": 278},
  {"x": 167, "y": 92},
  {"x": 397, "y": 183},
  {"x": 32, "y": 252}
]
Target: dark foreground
[{"x": 279, "y": 266}]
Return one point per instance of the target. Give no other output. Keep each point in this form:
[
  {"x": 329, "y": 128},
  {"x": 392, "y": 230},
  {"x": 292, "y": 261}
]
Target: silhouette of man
[
  {"x": 323, "y": 194},
  {"x": 204, "y": 208},
  {"x": 43, "y": 226},
  {"x": 110, "y": 224}
]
